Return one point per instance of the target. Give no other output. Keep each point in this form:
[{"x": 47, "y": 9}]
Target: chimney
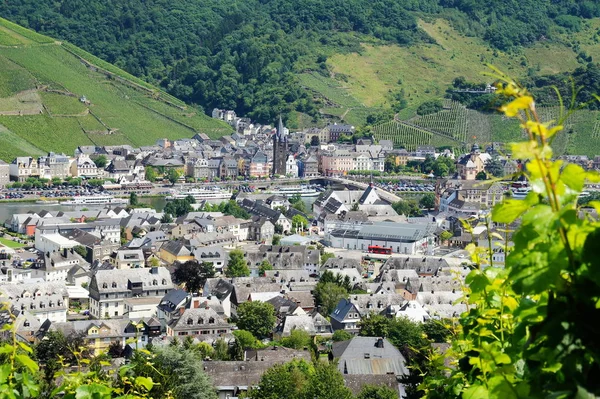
[
  {"x": 379, "y": 343},
  {"x": 64, "y": 254},
  {"x": 154, "y": 270}
]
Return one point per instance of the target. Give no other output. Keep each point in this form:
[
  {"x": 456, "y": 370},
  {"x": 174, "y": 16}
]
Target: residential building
[
  {"x": 83, "y": 166},
  {"x": 199, "y": 323},
  {"x": 109, "y": 288},
  {"x": 369, "y": 355},
  {"x": 22, "y": 168},
  {"x": 468, "y": 166},
  {"x": 44, "y": 301},
  {"x": 4, "y": 174}
]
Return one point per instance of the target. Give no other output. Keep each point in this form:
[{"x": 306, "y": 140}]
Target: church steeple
[{"x": 280, "y": 128}]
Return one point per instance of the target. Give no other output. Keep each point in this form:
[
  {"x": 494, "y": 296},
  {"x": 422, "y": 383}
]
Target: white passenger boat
[
  {"x": 101, "y": 199},
  {"x": 521, "y": 193},
  {"x": 298, "y": 190},
  {"x": 200, "y": 194}
]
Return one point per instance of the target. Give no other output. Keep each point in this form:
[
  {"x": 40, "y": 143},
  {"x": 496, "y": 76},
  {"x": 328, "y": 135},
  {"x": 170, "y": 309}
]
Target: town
[{"x": 325, "y": 234}]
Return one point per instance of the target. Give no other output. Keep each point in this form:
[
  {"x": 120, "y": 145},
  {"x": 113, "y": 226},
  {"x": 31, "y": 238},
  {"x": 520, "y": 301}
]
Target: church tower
[{"x": 280, "y": 149}]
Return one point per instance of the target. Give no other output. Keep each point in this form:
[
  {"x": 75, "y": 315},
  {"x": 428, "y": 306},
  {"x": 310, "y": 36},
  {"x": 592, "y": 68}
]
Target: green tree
[
  {"x": 174, "y": 369},
  {"x": 166, "y": 218},
  {"x": 481, "y": 176},
  {"x": 222, "y": 350},
  {"x": 325, "y": 256},
  {"x": 133, "y": 199},
  {"x": 264, "y": 266},
  {"x": 173, "y": 176},
  {"x": 80, "y": 250},
  {"x": 438, "y": 330},
  {"x": 494, "y": 167},
  {"x": 406, "y": 207},
  {"x": 150, "y": 174},
  {"x": 375, "y": 392},
  {"x": 237, "y": 266},
  {"x": 56, "y": 345},
  {"x": 326, "y": 383},
  {"x": 298, "y": 339},
  {"x": 374, "y": 326},
  {"x": 328, "y": 295},
  {"x": 288, "y": 380},
  {"x": 341, "y": 335},
  {"x": 446, "y": 235},
  {"x": 193, "y": 274},
  {"x": 314, "y": 141},
  {"x": 427, "y": 201},
  {"x": 101, "y": 161},
  {"x": 276, "y": 239},
  {"x": 256, "y": 317},
  {"x": 246, "y": 340},
  {"x": 299, "y": 222}
]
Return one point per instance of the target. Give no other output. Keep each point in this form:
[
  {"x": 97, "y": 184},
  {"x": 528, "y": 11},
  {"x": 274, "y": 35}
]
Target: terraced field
[{"x": 42, "y": 81}]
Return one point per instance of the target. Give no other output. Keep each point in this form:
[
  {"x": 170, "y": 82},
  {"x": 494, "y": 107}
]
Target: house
[
  {"x": 468, "y": 166},
  {"x": 22, "y": 168},
  {"x": 260, "y": 229},
  {"x": 4, "y": 174},
  {"x": 369, "y": 355},
  {"x": 215, "y": 255},
  {"x": 109, "y": 288},
  {"x": 54, "y": 166},
  {"x": 314, "y": 324},
  {"x": 291, "y": 166},
  {"x": 345, "y": 316},
  {"x": 176, "y": 251},
  {"x": 83, "y": 166},
  {"x": 96, "y": 248},
  {"x": 44, "y": 301},
  {"x": 127, "y": 258},
  {"x": 201, "y": 323},
  {"x": 56, "y": 265}
]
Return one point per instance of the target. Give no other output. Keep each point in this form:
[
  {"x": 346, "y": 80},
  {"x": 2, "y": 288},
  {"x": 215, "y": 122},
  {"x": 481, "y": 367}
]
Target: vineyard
[{"x": 457, "y": 126}]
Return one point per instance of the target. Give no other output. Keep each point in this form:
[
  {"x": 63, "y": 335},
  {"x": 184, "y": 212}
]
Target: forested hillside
[{"x": 248, "y": 55}]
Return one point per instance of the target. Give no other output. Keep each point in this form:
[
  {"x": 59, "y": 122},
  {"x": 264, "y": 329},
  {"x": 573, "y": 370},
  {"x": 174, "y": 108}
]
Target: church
[{"x": 280, "y": 150}]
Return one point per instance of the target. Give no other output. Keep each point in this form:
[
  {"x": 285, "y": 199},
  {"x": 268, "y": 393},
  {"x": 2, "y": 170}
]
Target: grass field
[
  {"x": 10, "y": 243},
  {"x": 134, "y": 114}
]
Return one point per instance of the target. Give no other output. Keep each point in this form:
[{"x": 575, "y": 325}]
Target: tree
[
  {"x": 276, "y": 238},
  {"x": 494, "y": 167},
  {"x": 133, "y": 199},
  {"x": 328, "y": 295},
  {"x": 54, "y": 345},
  {"x": 221, "y": 351},
  {"x": 193, "y": 274},
  {"x": 150, "y": 174},
  {"x": 256, "y": 317},
  {"x": 288, "y": 380},
  {"x": 325, "y": 256},
  {"x": 341, "y": 335},
  {"x": 327, "y": 383},
  {"x": 446, "y": 235},
  {"x": 375, "y": 392},
  {"x": 80, "y": 250},
  {"x": 264, "y": 266},
  {"x": 246, "y": 340},
  {"x": 406, "y": 207},
  {"x": 437, "y": 330},
  {"x": 173, "y": 176},
  {"x": 427, "y": 201},
  {"x": 166, "y": 218},
  {"x": 314, "y": 141},
  {"x": 299, "y": 222},
  {"x": 115, "y": 349},
  {"x": 174, "y": 369},
  {"x": 481, "y": 176},
  {"x": 236, "y": 266},
  {"x": 298, "y": 339},
  {"x": 180, "y": 207},
  {"x": 374, "y": 325},
  {"x": 101, "y": 161}
]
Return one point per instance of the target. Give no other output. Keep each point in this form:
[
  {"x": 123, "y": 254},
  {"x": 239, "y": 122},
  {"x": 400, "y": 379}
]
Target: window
[
  {"x": 104, "y": 285},
  {"x": 154, "y": 282},
  {"x": 116, "y": 312},
  {"x": 200, "y": 320},
  {"x": 164, "y": 281},
  {"x": 190, "y": 322},
  {"x": 211, "y": 320},
  {"x": 114, "y": 285}
]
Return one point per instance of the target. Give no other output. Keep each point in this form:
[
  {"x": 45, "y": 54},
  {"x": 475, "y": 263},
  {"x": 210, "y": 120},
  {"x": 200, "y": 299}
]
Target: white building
[
  {"x": 83, "y": 166},
  {"x": 291, "y": 166}
]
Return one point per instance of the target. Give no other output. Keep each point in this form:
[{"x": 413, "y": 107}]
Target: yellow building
[{"x": 175, "y": 251}]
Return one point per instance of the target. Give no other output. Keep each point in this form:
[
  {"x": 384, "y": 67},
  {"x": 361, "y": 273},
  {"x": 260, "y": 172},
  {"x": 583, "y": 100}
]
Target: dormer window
[
  {"x": 154, "y": 282},
  {"x": 190, "y": 322},
  {"x": 114, "y": 284},
  {"x": 26, "y": 323},
  {"x": 164, "y": 281},
  {"x": 104, "y": 285},
  {"x": 211, "y": 320},
  {"x": 200, "y": 320}
]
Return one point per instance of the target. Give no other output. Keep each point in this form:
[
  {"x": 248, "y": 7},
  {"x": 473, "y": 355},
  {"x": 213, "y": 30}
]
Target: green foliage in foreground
[{"x": 529, "y": 330}]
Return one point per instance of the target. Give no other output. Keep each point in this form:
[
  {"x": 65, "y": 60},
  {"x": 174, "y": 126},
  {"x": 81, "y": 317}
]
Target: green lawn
[{"x": 10, "y": 244}]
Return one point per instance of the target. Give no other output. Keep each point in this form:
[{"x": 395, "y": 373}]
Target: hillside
[{"x": 42, "y": 85}]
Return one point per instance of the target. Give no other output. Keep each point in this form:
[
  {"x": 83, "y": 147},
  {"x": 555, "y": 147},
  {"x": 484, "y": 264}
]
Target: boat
[
  {"x": 97, "y": 200},
  {"x": 200, "y": 194},
  {"x": 521, "y": 193},
  {"x": 298, "y": 190}
]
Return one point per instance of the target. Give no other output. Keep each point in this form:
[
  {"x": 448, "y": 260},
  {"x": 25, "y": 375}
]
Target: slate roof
[
  {"x": 169, "y": 302},
  {"x": 362, "y": 355}
]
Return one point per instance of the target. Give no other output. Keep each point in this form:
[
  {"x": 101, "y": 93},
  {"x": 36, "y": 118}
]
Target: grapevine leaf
[
  {"x": 476, "y": 392},
  {"x": 144, "y": 382},
  {"x": 27, "y": 362},
  {"x": 509, "y": 210}
]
